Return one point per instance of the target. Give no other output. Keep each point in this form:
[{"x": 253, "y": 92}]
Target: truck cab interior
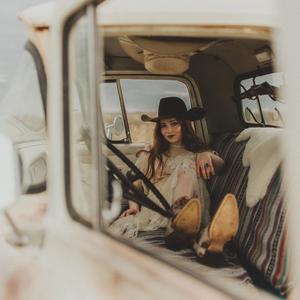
[
  {"x": 230, "y": 72},
  {"x": 234, "y": 80}
]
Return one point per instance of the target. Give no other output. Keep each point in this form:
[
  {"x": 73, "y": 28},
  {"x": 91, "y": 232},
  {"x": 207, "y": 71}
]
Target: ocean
[{"x": 13, "y": 37}]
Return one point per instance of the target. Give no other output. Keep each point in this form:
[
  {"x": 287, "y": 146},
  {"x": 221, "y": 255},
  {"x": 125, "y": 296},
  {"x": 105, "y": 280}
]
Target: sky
[{"x": 13, "y": 37}]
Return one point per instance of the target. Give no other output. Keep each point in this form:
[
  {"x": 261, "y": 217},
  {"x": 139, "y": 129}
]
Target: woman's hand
[
  {"x": 204, "y": 165},
  {"x": 132, "y": 210}
]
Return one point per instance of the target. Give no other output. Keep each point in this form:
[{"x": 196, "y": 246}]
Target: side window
[
  {"x": 22, "y": 118},
  {"x": 133, "y": 98},
  {"x": 112, "y": 112},
  {"x": 260, "y": 102},
  {"x": 79, "y": 115},
  {"x": 141, "y": 96}
]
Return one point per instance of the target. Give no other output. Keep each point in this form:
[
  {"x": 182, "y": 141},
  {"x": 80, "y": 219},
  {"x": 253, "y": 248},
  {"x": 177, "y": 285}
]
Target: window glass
[
  {"x": 260, "y": 101},
  {"x": 111, "y": 109},
  {"x": 22, "y": 118},
  {"x": 141, "y": 96},
  {"x": 80, "y": 122}
]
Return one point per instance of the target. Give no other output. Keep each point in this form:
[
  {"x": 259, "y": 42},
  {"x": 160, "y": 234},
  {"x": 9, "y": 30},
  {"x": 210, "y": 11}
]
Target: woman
[{"x": 178, "y": 165}]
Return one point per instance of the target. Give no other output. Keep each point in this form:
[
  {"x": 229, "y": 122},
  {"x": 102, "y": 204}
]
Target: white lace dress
[{"x": 178, "y": 178}]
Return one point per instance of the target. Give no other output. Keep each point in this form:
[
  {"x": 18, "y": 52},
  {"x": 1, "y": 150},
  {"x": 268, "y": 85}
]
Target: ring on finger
[{"x": 206, "y": 165}]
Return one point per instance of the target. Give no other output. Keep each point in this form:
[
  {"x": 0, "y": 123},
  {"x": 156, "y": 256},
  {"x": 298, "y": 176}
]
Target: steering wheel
[{"x": 131, "y": 191}]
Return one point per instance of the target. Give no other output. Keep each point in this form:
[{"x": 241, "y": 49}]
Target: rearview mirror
[{"x": 10, "y": 183}]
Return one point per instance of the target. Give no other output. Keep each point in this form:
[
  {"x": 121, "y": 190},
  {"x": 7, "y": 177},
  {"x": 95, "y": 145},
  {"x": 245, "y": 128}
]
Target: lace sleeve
[{"x": 142, "y": 160}]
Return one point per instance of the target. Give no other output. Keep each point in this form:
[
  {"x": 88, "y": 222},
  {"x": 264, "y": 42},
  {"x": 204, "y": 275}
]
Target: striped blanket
[
  {"x": 225, "y": 266},
  {"x": 262, "y": 237}
]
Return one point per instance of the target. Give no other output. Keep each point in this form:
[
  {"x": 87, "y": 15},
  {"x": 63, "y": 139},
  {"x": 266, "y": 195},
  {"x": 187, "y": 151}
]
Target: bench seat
[
  {"x": 224, "y": 266},
  {"x": 261, "y": 240},
  {"x": 258, "y": 254}
]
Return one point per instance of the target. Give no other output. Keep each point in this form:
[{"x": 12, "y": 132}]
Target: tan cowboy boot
[
  {"x": 222, "y": 228},
  {"x": 187, "y": 218},
  {"x": 184, "y": 227}
]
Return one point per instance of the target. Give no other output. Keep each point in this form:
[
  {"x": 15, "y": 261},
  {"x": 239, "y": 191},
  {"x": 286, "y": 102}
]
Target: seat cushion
[
  {"x": 226, "y": 265},
  {"x": 261, "y": 239}
]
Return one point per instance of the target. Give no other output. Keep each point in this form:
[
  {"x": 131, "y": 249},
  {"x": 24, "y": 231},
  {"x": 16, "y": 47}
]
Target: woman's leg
[
  {"x": 186, "y": 207},
  {"x": 185, "y": 186},
  {"x": 222, "y": 228}
]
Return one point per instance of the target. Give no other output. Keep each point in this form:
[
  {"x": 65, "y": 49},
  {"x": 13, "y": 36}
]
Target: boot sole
[
  {"x": 224, "y": 224},
  {"x": 188, "y": 220}
]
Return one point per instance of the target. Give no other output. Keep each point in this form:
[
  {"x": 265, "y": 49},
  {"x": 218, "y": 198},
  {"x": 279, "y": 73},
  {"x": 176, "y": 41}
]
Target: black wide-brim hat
[{"x": 174, "y": 107}]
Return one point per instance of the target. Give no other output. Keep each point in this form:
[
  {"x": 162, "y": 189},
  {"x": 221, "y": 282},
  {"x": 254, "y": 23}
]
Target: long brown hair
[{"x": 160, "y": 146}]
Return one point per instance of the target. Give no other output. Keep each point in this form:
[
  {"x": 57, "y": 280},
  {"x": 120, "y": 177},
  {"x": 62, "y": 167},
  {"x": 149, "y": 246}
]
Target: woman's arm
[
  {"x": 218, "y": 162},
  {"x": 133, "y": 207},
  {"x": 141, "y": 163},
  {"x": 208, "y": 164},
  {"x": 132, "y": 210}
]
